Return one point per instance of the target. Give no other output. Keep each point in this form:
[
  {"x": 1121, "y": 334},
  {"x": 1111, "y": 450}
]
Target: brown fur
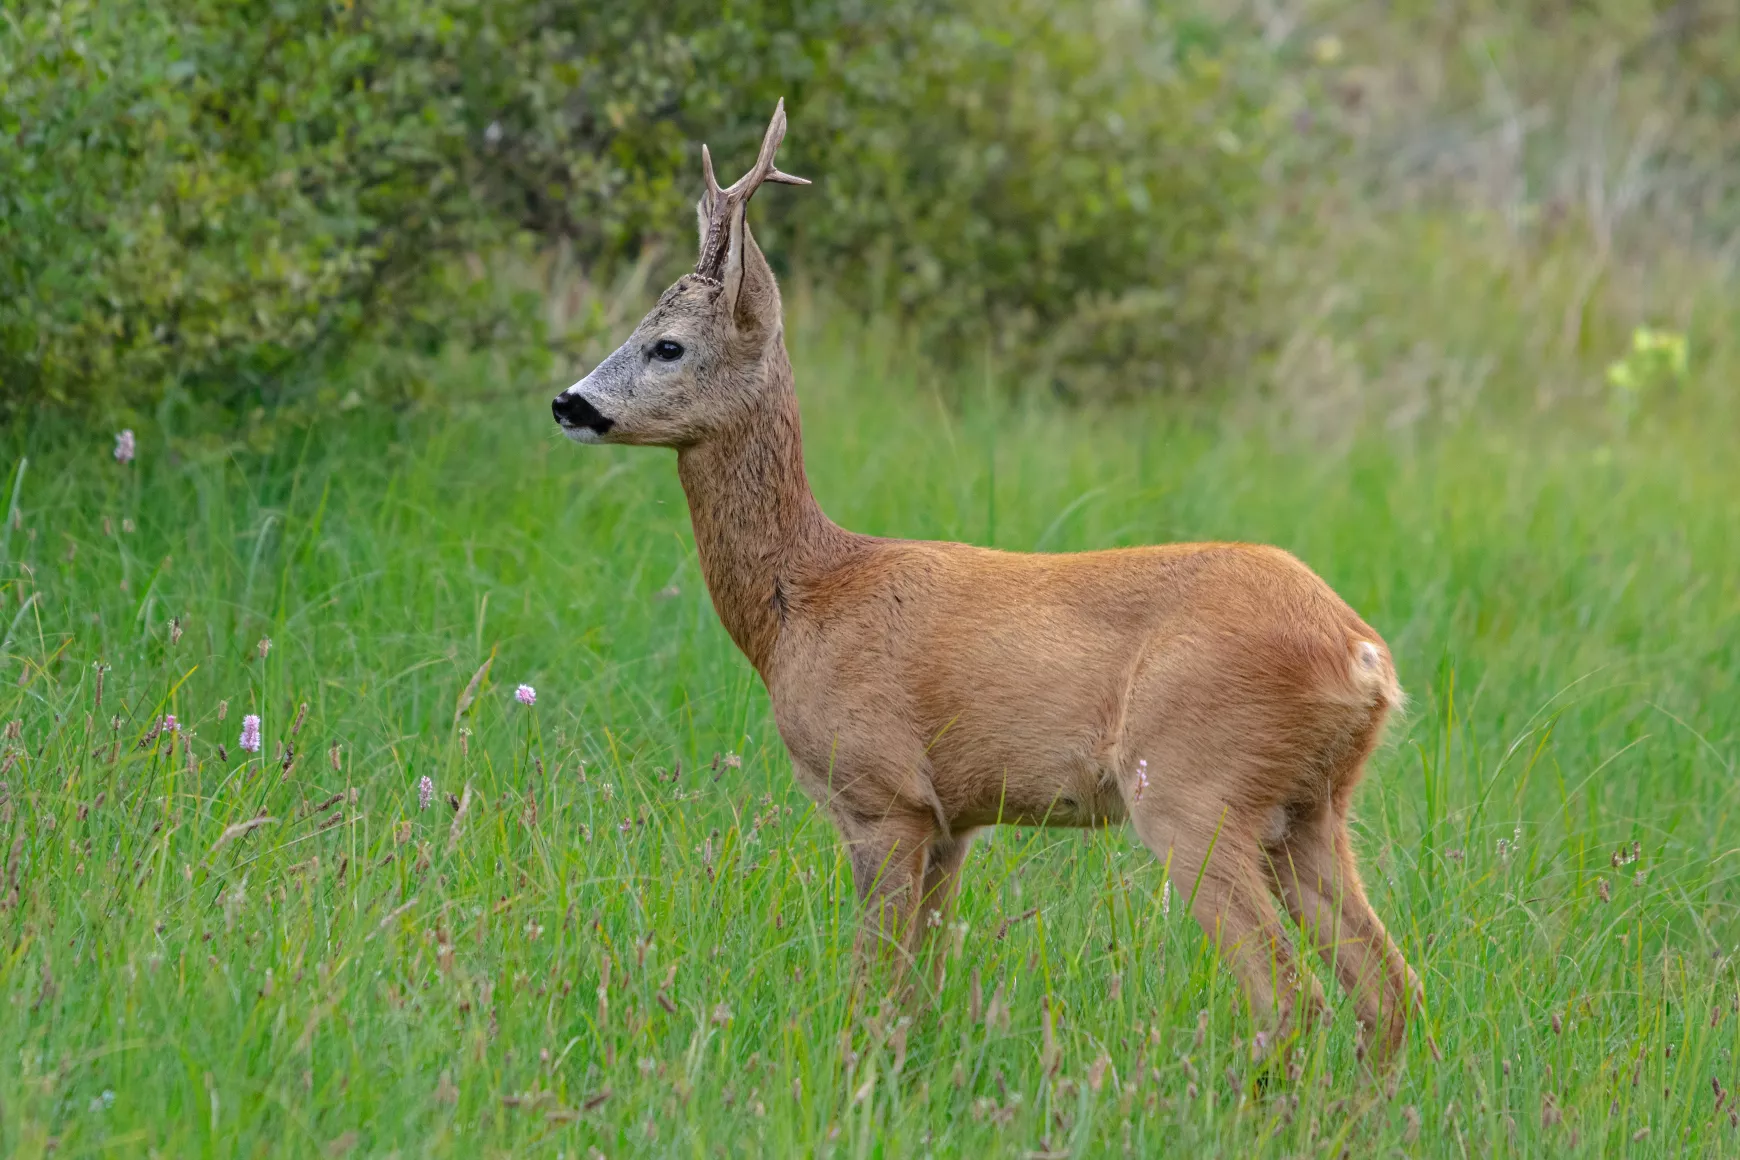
[{"x": 925, "y": 690}]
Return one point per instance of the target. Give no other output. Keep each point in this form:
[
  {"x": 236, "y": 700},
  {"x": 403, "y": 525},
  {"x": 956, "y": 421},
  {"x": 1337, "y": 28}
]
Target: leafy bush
[
  {"x": 208, "y": 193},
  {"x": 1075, "y": 182},
  {"x": 212, "y": 197}
]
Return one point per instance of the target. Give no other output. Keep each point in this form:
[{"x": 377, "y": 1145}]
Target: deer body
[{"x": 1220, "y": 696}]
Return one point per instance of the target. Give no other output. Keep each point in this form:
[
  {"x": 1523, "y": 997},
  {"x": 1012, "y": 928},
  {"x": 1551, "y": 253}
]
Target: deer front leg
[
  {"x": 942, "y": 885},
  {"x": 889, "y": 858}
]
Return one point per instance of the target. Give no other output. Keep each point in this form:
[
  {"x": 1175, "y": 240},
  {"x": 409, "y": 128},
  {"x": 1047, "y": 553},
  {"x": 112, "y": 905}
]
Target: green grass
[{"x": 608, "y": 953}]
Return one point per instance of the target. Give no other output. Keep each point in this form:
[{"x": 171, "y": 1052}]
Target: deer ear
[{"x": 734, "y": 259}]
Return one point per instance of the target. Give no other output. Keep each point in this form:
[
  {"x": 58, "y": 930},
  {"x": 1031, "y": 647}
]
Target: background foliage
[
  {"x": 207, "y": 202},
  {"x": 211, "y": 195}
]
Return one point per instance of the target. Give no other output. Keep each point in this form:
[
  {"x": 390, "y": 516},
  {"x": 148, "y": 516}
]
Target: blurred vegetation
[
  {"x": 209, "y": 203},
  {"x": 211, "y": 197}
]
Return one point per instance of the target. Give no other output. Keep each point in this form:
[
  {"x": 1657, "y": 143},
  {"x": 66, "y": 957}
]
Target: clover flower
[{"x": 250, "y": 733}]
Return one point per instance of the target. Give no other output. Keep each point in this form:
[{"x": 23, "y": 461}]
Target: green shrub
[
  {"x": 208, "y": 193},
  {"x": 212, "y": 198},
  {"x": 1072, "y": 184}
]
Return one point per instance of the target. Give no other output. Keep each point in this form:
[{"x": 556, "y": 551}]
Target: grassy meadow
[
  {"x": 1438, "y": 295},
  {"x": 619, "y": 929}
]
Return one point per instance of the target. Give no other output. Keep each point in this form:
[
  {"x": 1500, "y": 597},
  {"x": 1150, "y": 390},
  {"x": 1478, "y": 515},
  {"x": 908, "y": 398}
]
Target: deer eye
[{"x": 667, "y": 351}]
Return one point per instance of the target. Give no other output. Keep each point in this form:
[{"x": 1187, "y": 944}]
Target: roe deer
[{"x": 1221, "y": 696}]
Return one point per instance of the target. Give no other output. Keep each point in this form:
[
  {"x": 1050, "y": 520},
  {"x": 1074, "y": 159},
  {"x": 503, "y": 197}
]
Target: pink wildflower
[
  {"x": 425, "y": 792},
  {"x": 170, "y": 724},
  {"x": 526, "y": 695},
  {"x": 250, "y": 733},
  {"x": 125, "y": 446},
  {"x": 1141, "y": 778}
]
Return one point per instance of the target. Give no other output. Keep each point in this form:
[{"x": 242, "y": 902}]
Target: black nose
[{"x": 572, "y": 410}]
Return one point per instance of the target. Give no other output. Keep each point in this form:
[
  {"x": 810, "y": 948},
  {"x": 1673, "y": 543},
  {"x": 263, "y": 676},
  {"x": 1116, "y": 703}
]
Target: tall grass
[{"x": 619, "y": 927}]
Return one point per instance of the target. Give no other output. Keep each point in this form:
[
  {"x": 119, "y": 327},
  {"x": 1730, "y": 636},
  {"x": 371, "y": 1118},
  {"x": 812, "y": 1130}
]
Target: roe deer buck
[{"x": 1219, "y": 695}]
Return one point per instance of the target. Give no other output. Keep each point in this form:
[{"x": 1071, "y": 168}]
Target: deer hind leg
[
  {"x": 1312, "y": 871},
  {"x": 1215, "y": 866}
]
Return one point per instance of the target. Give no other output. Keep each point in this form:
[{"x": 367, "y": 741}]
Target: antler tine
[
  {"x": 764, "y": 170},
  {"x": 720, "y": 204},
  {"x": 707, "y": 170}
]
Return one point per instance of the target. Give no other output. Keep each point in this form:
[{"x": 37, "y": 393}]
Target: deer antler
[{"x": 720, "y": 204}]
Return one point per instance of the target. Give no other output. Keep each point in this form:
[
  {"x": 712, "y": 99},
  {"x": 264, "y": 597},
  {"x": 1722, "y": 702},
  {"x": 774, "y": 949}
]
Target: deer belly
[{"x": 1080, "y": 797}]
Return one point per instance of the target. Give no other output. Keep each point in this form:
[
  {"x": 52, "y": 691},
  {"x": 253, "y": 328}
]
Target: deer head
[{"x": 695, "y": 363}]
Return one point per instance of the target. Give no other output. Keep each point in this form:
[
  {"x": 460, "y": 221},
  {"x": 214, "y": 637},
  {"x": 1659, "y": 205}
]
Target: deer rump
[{"x": 1221, "y": 697}]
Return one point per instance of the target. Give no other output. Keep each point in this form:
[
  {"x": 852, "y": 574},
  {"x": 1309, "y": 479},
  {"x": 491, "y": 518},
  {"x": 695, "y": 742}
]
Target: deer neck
[{"x": 757, "y": 524}]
